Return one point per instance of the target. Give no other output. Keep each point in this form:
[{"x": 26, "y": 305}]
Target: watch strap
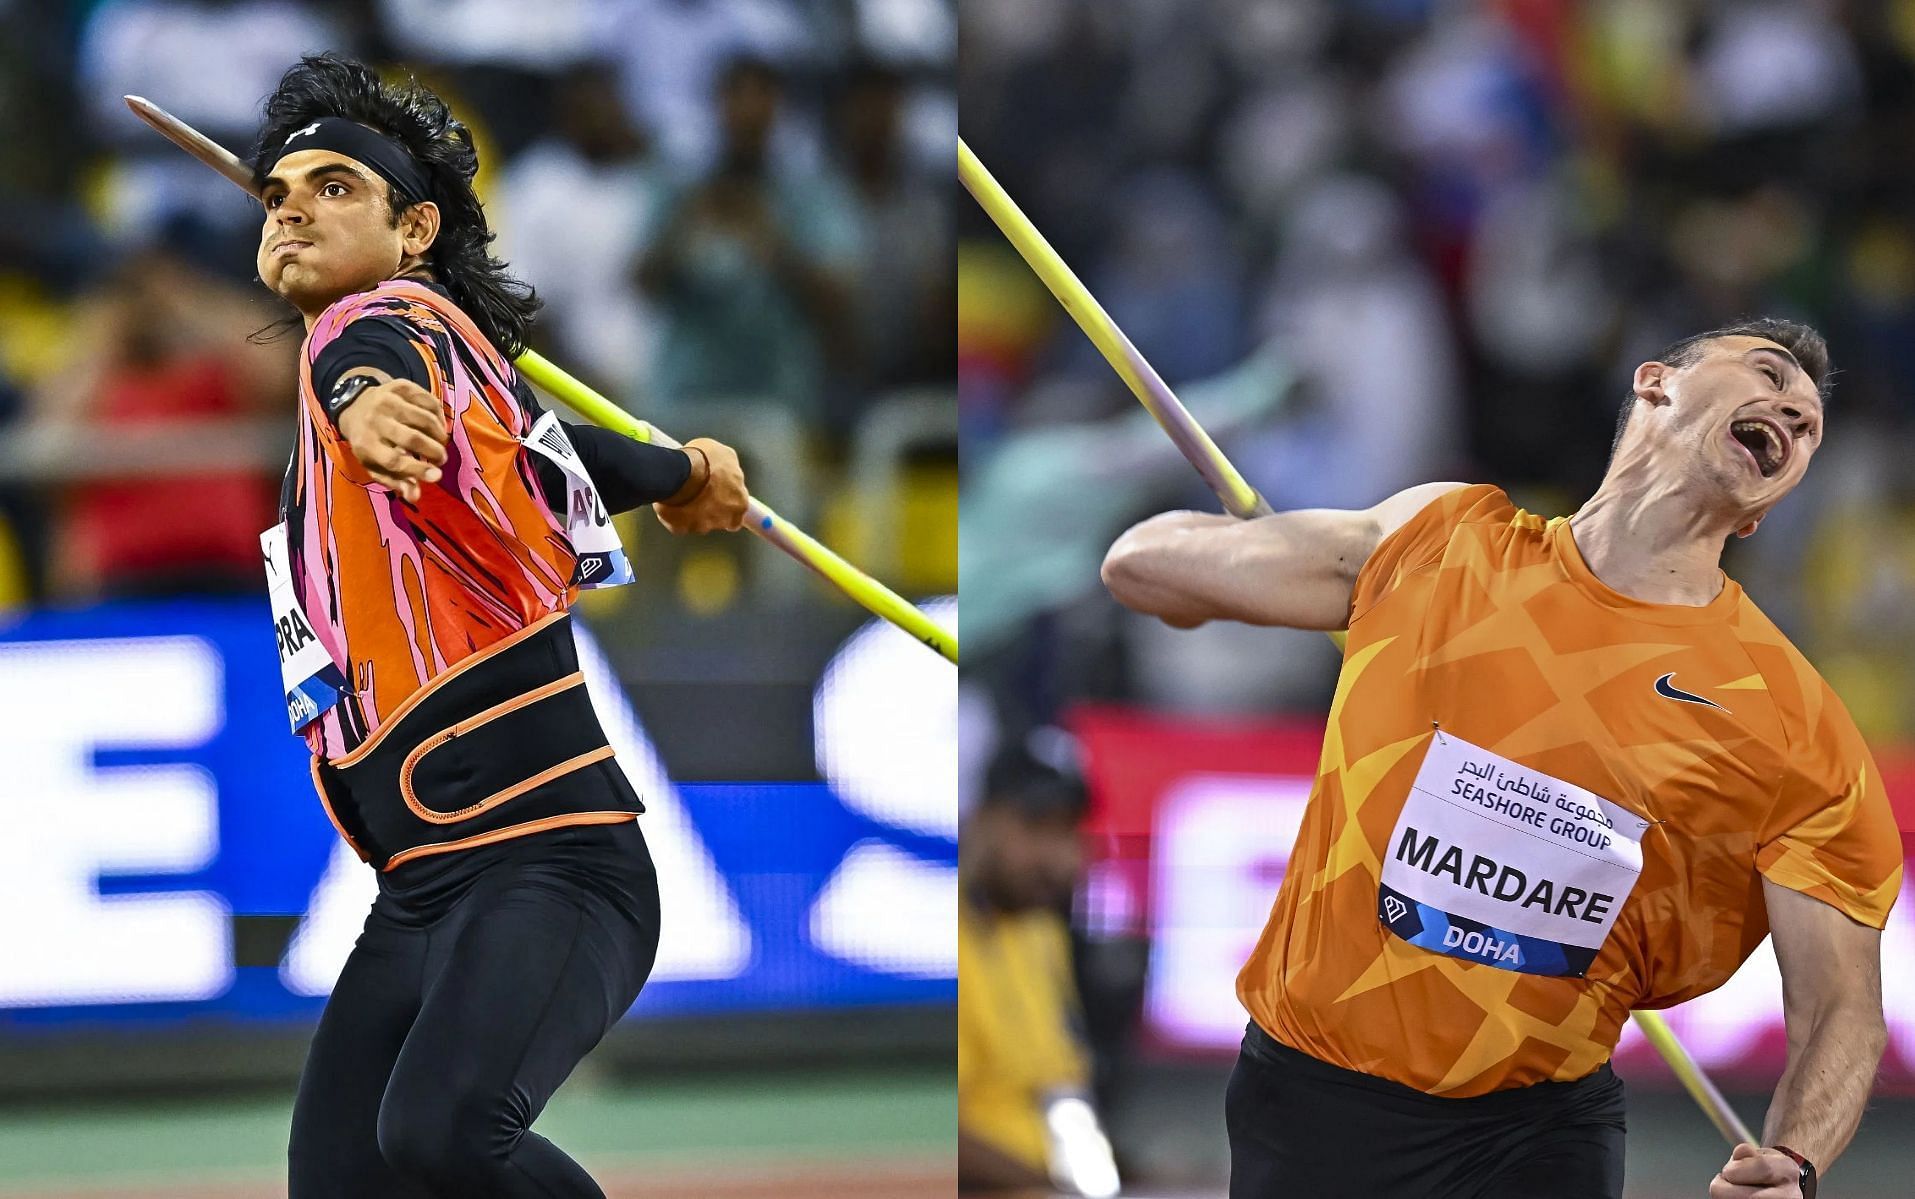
[
  {"x": 1805, "y": 1170},
  {"x": 345, "y": 392}
]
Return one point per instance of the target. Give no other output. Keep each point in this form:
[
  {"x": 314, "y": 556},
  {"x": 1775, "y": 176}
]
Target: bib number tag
[
  {"x": 1493, "y": 862},
  {"x": 601, "y": 556},
  {"x": 312, "y": 680}
]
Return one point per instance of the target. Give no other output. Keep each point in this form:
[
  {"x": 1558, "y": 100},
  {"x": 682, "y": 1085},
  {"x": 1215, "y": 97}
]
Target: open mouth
[{"x": 1766, "y": 444}]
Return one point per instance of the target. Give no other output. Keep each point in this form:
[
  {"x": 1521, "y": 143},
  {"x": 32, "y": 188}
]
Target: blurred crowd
[
  {"x": 741, "y": 203},
  {"x": 1457, "y": 226}
]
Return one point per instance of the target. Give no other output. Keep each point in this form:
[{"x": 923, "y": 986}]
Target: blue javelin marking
[{"x": 765, "y": 524}]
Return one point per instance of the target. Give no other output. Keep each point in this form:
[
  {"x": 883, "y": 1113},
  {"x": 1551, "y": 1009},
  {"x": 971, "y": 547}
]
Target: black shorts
[{"x": 1299, "y": 1126}]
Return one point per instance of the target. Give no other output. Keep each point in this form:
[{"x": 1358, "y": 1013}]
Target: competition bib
[
  {"x": 312, "y": 680},
  {"x": 601, "y": 557},
  {"x": 1496, "y": 863}
]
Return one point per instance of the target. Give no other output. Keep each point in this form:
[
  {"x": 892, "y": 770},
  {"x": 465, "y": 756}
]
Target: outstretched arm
[
  {"x": 1292, "y": 568},
  {"x": 1832, "y": 1002}
]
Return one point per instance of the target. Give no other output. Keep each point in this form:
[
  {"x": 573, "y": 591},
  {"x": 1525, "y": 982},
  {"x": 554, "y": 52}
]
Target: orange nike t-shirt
[{"x": 1575, "y": 797}]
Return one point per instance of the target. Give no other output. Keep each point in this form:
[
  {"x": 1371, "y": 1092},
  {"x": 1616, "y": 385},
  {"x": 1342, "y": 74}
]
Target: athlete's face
[
  {"x": 329, "y": 230},
  {"x": 1744, "y": 418}
]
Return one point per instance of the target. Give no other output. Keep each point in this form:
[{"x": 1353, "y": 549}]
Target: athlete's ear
[
  {"x": 1650, "y": 380},
  {"x": 419, "y": 227}
]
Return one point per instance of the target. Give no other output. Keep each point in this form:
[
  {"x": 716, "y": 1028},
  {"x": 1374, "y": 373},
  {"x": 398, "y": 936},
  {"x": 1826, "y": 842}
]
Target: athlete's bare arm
[
  {"x": 1296, "y": 569},
  {"x": 1832, "y": 1004}
]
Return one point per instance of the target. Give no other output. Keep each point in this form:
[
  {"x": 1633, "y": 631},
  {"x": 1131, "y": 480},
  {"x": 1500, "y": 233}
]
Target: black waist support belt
[{"x": 480, "y": 754}]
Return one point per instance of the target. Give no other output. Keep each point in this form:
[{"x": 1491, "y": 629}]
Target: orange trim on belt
[
  {"x": 330, "y": 815},
  {"x": 509, "y": 832},
  {"x": 419, "y": 751},
  {"x": 418, "y": 697},
  {"x": 498, "y": 797}
]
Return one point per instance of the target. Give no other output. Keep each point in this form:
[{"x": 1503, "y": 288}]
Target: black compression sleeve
[
  {"x": 376, "y": 341},
  {"x": 627, "y": 473}
]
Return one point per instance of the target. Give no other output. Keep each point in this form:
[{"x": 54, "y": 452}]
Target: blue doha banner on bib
[{"x": 151, "y": 794}]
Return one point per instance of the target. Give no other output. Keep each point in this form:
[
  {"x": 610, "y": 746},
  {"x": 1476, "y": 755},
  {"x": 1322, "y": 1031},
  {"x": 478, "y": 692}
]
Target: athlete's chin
[
  {"x": 1754, "y": 495},
  {"x": 308, "y": 288},
  {"x": 1733, "y": 486}
]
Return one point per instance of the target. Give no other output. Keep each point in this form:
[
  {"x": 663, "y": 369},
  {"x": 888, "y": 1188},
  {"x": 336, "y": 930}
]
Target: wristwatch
[
  {"x": 345, "y": 392},
  {"x": 1806, "y": 1177}
]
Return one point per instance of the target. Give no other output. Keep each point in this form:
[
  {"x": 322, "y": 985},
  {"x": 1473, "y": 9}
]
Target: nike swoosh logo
[{"x": 1667, "y": 691}]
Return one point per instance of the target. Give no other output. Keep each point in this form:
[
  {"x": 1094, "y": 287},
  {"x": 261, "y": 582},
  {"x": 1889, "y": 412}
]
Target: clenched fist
[
  {"x": 714, "y": 497},
  {"x": 1754, "y": 1173},
  {"x": 397, "y": 430}
]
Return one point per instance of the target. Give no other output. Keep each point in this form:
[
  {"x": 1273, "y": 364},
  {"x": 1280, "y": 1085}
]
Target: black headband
[{"x": 387, "y": 158}]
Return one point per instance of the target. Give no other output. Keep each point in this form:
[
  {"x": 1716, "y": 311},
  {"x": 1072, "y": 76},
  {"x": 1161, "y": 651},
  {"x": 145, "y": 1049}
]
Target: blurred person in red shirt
[{"x": 161, "y": 343}]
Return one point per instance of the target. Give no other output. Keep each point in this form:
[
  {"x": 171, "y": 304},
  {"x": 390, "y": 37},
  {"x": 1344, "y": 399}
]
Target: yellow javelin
[
  {"x": 1241, "y": 500},
  {"x": 1693, "y": 1080},
  {"x": 875, "y": 596}
]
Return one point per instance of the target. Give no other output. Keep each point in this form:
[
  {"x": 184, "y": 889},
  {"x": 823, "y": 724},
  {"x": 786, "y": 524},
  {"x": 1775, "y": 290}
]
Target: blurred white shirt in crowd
[
  {"x": 208, "y": 64},
  {"x": 573, "y": 229},
  {"x": 672, "y": 52},
  {"x": 1362, "y": 320},
  {"x": 1773, "y": 66}
]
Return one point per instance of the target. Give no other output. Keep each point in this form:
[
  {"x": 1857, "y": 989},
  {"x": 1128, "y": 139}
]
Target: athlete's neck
[
  {"x": 413, "y": 269},
  {"x": 1651, "y": 541}
]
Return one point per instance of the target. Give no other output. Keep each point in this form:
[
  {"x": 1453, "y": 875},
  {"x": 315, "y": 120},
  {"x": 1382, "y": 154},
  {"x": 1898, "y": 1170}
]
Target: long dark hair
[{"x": 328, "y": 85}]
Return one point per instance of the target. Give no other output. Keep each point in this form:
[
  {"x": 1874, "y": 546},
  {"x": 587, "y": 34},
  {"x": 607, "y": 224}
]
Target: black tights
[{"x": 461, "y": 1011}]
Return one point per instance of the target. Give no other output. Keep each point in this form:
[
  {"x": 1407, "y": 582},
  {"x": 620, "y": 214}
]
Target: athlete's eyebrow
[
  {"x": 1779, "y": 352},
  {"x": 314, "y": 173}
]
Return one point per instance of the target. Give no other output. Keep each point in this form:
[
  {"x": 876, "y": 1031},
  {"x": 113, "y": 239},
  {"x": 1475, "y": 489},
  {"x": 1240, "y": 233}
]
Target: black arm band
[{"x": 378, "y": 342}]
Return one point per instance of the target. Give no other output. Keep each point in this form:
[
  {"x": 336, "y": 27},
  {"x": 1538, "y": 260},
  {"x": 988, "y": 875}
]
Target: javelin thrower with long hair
[{"x": 436, "y": 526}]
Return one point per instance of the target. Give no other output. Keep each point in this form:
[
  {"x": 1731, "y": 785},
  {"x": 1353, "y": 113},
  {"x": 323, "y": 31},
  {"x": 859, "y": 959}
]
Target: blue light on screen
[{"x": 151, "y": 791}]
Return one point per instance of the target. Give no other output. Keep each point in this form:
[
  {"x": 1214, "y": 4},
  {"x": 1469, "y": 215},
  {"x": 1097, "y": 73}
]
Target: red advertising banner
[{"x": 1193, "y": 823}]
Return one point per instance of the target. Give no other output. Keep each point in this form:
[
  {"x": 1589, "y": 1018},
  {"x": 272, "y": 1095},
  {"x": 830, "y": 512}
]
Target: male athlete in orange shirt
[{"x": 1569, "y": 770}]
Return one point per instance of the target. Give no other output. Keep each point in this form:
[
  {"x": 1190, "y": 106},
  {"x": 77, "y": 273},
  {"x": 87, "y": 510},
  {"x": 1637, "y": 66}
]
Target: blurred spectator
[
  {"x": 1023, "y": 1068},
  {"x": 905, "y": 301},
  {"x": 1363, "y": 323},
  {"x": 575, "y": 211},
  {"x": 22, "y": 520},
  {"x": 752, "y": 268},
  {"x": 542, "y": 37},
  {"x": 676, "y": 51},
  {"x": 1168, "y": 279},
  {"x": 209, "y": 63},
  {"x": 41, "y": 142},
  {"x": 500, "y": 59},
  {"x": 163, "y": 343}
]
